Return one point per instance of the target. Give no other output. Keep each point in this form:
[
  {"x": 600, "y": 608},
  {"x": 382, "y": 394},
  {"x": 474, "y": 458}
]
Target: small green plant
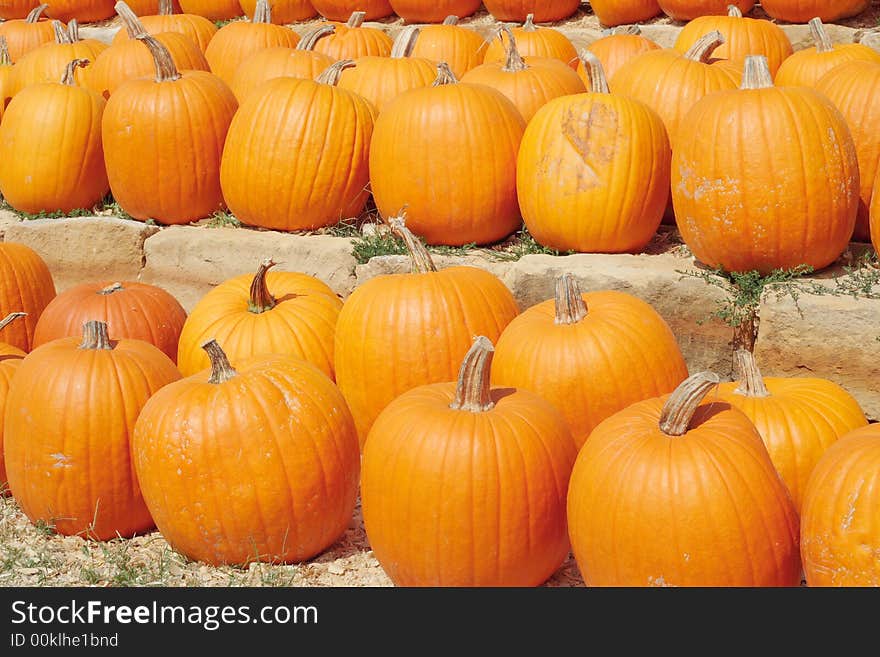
[
  {"x": 223, "y": 219},
  {"x": 376, "y": 244},
  {"x": 45, "y": 528},
  {"x": 521, "y": 245},
  {"x": 345, "y": 228},
  {"x": 110, "y": 205}
]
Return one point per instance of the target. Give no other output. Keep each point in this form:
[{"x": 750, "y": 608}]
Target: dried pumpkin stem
[
  {"x": 166, "y": 71},
  {"x": 734, "y": 12},
  {"x": 593, "y": 67},
  {"x": 422, "y": 263},
  {"x": 61, "y": 35},
  {"x": 133, "y": 25},
  {"x": 95, "y": 336},
  {"x": 820, "y": 36},
  {"x": 36, "y": 13},
  {"x": 221, "y": 370},
  {"x": 444, "y": 75},
  {"x": 751, "y": 383},
  {"x": 450, "y": 20},
  {"x": 332, "y": 73},
  {"x": 311, "y": 38},
  {"x": 73, "y": 30},
  {"x": 514, "y": 62},
  {"x": 529, "y": 25},
  {"x": 683, "y": 403},
  {"x": 473, "y": 392},
  {"x": 5, "y": 59},
  {"x": 11, "y": 317},
  {"x": 570, "y": 305},
  {"x": 262, "y": 12},
  {"x": 405, "y": 42},
  {"x": 166, "y": 8},
  {"x": 260, "y": 299},
  {"x": 69, "y": 75},
  {"x": 110, "y": 289},
  {"x": 756, "y": 74},
  {"x": 356, "y": 19},
  {"x": 702, "y": 50}
]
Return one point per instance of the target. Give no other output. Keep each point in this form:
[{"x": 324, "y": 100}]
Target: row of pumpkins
[{"x": 479, "y": 461}]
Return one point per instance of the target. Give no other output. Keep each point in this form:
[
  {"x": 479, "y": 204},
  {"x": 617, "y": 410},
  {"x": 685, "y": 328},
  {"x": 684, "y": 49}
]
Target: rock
[
  {"x": 335, "y": 568},
  {"x": 7, "y": 218}
]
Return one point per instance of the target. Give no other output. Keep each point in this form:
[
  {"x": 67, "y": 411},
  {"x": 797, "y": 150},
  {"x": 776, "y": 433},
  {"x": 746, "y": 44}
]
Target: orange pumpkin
[
  {"x": 282, "y": 313},
  {"x": 381, "y": 350},
  {"x": 693, "y": 480},
  {"x": 593, "y": 171},
  {"x": 153, "y": 7},
  {"x": 528, "y": 83},
  {"x": 686, "y": 10},
  {"x": 131, "y": 310},
  {"x": 70, "y": 413},
  {"x": 352, "y": 40},
  {"x": 875, "y": 213},
  {"x": 742, "y": 37},
  {"x": 544, "y": 11},
  {"x": 283, "y": 11},
  {"x": 6, "y": 70},
  {"x": 17, "y": 9},
  {"x": 534, "y": 41},
  {"x": 840, "y": 537},
  {"x": 26, "y": 286},
  {"x": 70, "y": 125},
  {"x": 424, "y": 130},
  {"x": 433, "y": 11},
  {"x": 776, "y": 187},
  {"x": 314, "y": 182},
  {"x": 615, "y": 49},
  {"x": 590, "y": 355},
  {"x": 24, "y": 35},
  {"x": 213, "y": 10},
  {"x": 340, "y": 10},
  {"x": 84, "y": 11},
  {"x": 461, "y": 48},
  {"x": 197, "y": 28},
  {"x": 623, "y": 12},
  {"x": 465, "y": 485},
  {"x": 806, "y": 67},
  {"x": 382, "y": 79},
  {"x": 237, "y": 41},
  {"x": 10, "y": 359},
  {"x": 801, "y": 11},
  {"x": 258, "y": 464}
]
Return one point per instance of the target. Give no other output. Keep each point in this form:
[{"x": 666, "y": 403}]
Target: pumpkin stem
[
  {"x": 405, "y": 42},
  {"x": 310, "y": 38},
  {"x": 260, "y": 299},
  {"x": 221, "y": 370},
  {"x": 36, "y": 13},
  {"x": 756, "y": 74},
  {"x": 734, "y": 12},
  {"x": 820, "y": 36},
  {"x": 333, "y": 72},
  {"x": 110, "y": 289},
  {"x": 61, "y": 35},
  {"x": 702, "y": 50},
  {"x": 356, "y": 19},
  {"x": 166, "y": 71},
  {"x": 165, "y": 8},
  {"x": 133, "y": 25},
  {"x": 422, "y": 263},
  {"x": 444, "y": 75},
  {"x": 73, "y": 30},
  {"x": 70, "y": 70},
  {"x": 262, "y": 12},
  {"x": 450, "y": 20},
  {"x": 95, "y": 336},
  {"x": 473, "y": 392},
  {"x": 751, "y": 381},
  {"x": 5, "y": 59},
  {"x": 529, "y": 25},
  {"x": 623, "y": 29},
  {"x": 515, "y": 62},
  {"x": 570, "y": 305},
  {"x": 11, "y": 317},
  {"x": 683, "y": 402},
  {"x": 593, "y": 67}
]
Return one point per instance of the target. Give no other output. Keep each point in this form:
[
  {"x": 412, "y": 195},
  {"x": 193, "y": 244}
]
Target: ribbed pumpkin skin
[
  {"x": 353, "y": 43},
  {"x": 265, "y": 464},
  {"x": 545, "y": 11},
  {"x": 616, "y": 50},
  {"x": 214, "y": 10},
  {"x": 197, "y": 28},
  {"x": 875, "y": 214},
  {"x": 25, "y": 286},
  {"x": 685, "y": 10},
  {"x": 5, "y": 86},
  {"x": 47, "y": 63},
  {"x": 593, "y": 174},
  {"x": 801, "y": 11},
  {"x": 382, "y": 79},
  {"x": 301, "y": 324},
  {"x": 460, "y": 47},
  {"x": 433, "y": 11},
  {"x": 10, "y": 359},
  {"x": 23, "y": 37},
  {"x": 777, "y": 188},
  {"x": 622, "y": 352},
  {"x": 534, "y": 42},
  {"x": 84, "y": 11},
  {"x": 742, "y": 37},
  {"x": 415, "y": 160},
  {"x": 235, "y": 42},
  {"x": 381, "y": 351},
  {"x": 283, "y": 129},
  {"x": 136, "y": 311},
  {"x": 840, "y": 527},
  {"x": 624, "y": 12},
  {"x": 798, "y": 422},
  {"x": 56, "y": 163},
  {"x": 150, "y": 7},
  {"x": 340, "y": 10},
  {"x": 531, "y": 89},
  {"x": 70, "y": 413},
  {"x": 454, "y": 498},
  {"x": 283, "y": 11},
  {"x": 277, "y": 63},
  {"x": 16, "y": 9},
  {"x": 709, "y": 504},
  {"x": 806, "y": 67}
]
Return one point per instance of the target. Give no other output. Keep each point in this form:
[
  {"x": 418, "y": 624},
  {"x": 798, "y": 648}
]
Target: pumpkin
[
  {"x": 177, "y": 123},
  {"x": 615, "y": 49},
  {"x": 691, "y": 479},
  {"x": 84, "y": 11},
  {"x": 154, "y": 7},
  {"x": 742, "y": 37},
  {"x": 382, "y": 79},
  {"x": 801, "y": 11},
  {"x": 283, "y": 11},
  {"x": 213, "y": 10},
  {"x": 6, "y": 70},
  {"x": 237, "y": 41},
  {"x": 351, "y": 40},
  {"x": 17, "y": 9},
  {"x": 854, "y": 88},
  {"x": 529, "y": 84},
  {"x": 798, "y": 418},
  {"x": 10, "y": 359},
  {"x": 671, "y": 83},
  {"x": 464, "y": 485},
  {"x": 70, "y": 129},
  {"x": 461, "y": 48},
  {"x": 806, "y": 67},
  {"x": 417, "y": 138},
  {"x": 26, "y": 286},
  {"x": 131, "y": 310},
  {"x": 590, "y": 355},
  {"x": 340, "y": 10},
  {"x": 545, "y": 11},
  {"x": 593, "y": 171},
  {"x": 433, "y": 11},
  {"x": 274, "y": 313},
  {"x": 623, "y": 12},
  {"x": 24, "y": 35},
  {"x": 380, "y": 346},
  {"x": 777, "y": 186},
  {"x": 129, "y": 59},
  {"x": 283, "y": 128},
  {"x": 839, "y": 530},
  {"x": 70, "y": 413},
  {"x": 875, "y": 214},
  {"x": 197, "y": 28},
  {"x": 686, "y": 10},
  {"x": 258, "y": 463},
  {"x": 534, "y": 41}
]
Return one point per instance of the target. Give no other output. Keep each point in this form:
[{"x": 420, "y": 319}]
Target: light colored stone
[
  {"x": 188, "y": 261},
  {"x": 7, "y": 218},
  {"x": 84, "y": 249},
  {"x": 103, "y": 33}
]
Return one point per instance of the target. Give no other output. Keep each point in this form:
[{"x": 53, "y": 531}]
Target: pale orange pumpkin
[
  {"x": 351, "y": 40},
  {"x": 534, "y": 41},
  {"x": 5, "y": 75},
  {"x": 461, "y": 48},
  {"x": 196, "y": 27},
  {"x": 619, "y": 46},
  {"x": 25, "y": 34}
]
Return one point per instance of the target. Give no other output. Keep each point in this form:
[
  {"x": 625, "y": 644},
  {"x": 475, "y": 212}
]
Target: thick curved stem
[
  {"x": 110, "y": 289},
  {"x": 36, "y": 13},
  {"x": 473, "y": 392},
  {"x": 356, "y": 19},
  {"x": 422, "y": 263},
  {"x": 262, "y": 12},
  {"x": 751, "y": 383},
  {"x": 756, "y": 74},
  {"x": 133, "y": 25},
  {"x": 166, "y": 71},
  {"x": 166, "y": 8},
  {"x": 529, "y": 25},
  {"x": 683, "y": 403},
  {"x": 311, "y": 38},
  {"x": 73, "y": 30},
  {"x": 61, "y": 35},
  {"x": 260, "y": 299},
  {"x": 5, "y": 59},
  {"x": 820, "y": 36},
  {"x": 332, "y": 73},
  {"x": 68, "y": 77},
  {"x": 450, "y": 20},
  {"x": 405, "y": 42},
  {"x": 594, "y": 70},
  {"x": 444, "y": 75},
  {"x": 702, "y": 50},
  {"x": 570, "y": 305},
  {"x": 95, "y": 336},
  {"x": 734, "y": 12},
  {"x": 514, "y": 62},
  {"x": 11, "y": 317},
  {"x": 221, "y": 370}
]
